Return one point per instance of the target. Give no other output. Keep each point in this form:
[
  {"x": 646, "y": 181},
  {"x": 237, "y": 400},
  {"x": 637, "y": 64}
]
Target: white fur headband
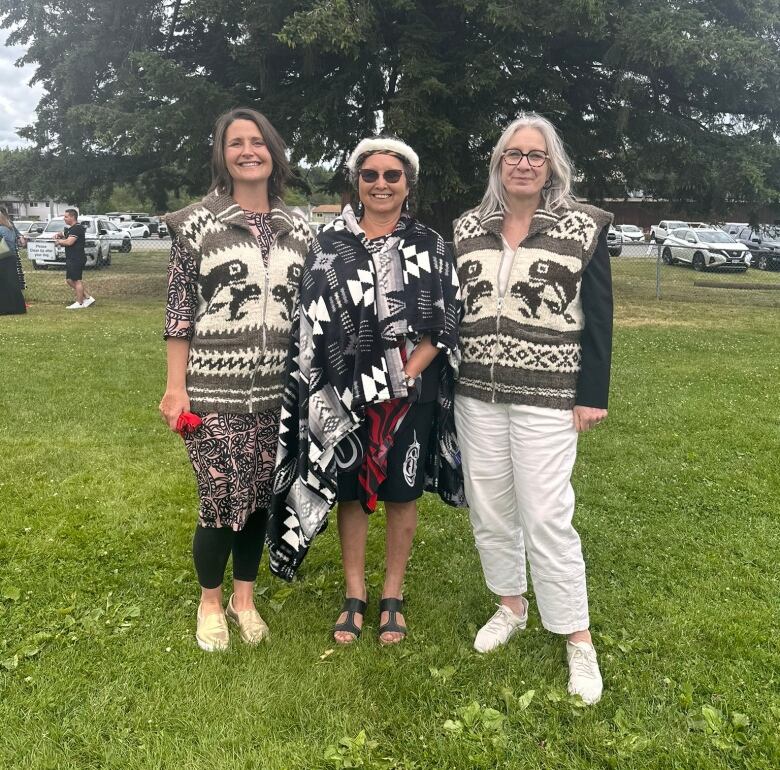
[{"x": 382, "y": 144}]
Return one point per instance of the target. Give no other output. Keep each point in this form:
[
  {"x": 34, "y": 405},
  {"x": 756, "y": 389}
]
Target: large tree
[{"x": 679, "y": 99}]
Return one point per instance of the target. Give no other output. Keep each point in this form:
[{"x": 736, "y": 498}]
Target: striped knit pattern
[
  {"x": 244, "y": 315},
  {"x": 525, "y": 349}
]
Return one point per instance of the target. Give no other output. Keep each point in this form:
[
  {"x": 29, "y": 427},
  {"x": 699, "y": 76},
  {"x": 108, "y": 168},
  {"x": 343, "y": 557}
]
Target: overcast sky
[{"x": 17, "y": 99}]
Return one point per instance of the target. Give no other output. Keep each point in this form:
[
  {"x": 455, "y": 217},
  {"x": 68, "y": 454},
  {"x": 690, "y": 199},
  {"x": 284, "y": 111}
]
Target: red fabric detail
[{"x": 383, "y": 421}]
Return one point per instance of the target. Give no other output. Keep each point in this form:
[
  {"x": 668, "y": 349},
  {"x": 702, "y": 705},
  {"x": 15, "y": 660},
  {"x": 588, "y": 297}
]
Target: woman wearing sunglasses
[
  {"x": 536, "y": 339},
  {"x": 368, "y": 402}
]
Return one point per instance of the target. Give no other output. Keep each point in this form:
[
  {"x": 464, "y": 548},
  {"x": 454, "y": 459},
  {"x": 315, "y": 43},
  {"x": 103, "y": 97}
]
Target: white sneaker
[
  {"x": 89, "y": 301},
  {"x": 75, "y": 306},
  {"x": 584, "y": 675},
  {"x": 500, "y": 628}
]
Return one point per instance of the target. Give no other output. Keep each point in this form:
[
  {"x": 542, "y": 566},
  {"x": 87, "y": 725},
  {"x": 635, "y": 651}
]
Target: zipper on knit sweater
[
  {"x": 265, "y": 307},
  {"x": 495, "y": 350},
  {"x": 264, "y": 340}
]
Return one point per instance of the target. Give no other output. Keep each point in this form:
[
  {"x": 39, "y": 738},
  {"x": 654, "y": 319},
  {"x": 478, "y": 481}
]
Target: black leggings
[{"x": 211, "y": 547}]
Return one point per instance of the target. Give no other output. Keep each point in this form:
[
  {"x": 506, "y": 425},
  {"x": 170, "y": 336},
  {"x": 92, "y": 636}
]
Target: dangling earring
[
  {"x": 359, "y": 209},
  {"x": 547, "y": 184},
  {"x": 405, "y": 205}
]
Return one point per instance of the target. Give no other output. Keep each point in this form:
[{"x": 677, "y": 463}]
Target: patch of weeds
[
  {"x": 280, "y": 597},
  {"x": 626, "y": 739},
  {"x": 726, "y": 732},
  {"x": 561, "y": 698},
  {"x": 358, "y": 752},
  {"x": 512, "y": 703},
  {"x": 442, "y": 675},
  {"x": 480, "y": 725}
]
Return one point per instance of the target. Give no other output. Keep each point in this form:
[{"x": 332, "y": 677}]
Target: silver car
[
  {"x": 705, "y": 250},
  {"x": 120, "y": 238},
  {"x": 29, "y": 229}
]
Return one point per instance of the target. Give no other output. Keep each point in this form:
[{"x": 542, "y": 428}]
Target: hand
[
  {"x": 587, "y": 417},
  {"x": 22, "y": 242},
  {"x": 173, "y": 403},
  {"x": 414, "y": 393}
]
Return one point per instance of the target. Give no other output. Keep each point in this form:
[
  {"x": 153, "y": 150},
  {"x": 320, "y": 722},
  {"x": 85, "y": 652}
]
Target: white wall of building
[{"x": 41, "y": 210}]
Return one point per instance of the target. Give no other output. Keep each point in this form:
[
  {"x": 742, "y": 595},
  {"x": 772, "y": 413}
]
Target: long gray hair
[{"x": 561, "y": 170}]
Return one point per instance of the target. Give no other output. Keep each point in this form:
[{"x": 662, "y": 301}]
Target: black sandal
[
  {"x": 351, "y": 606},
  {"x": 392, "y": 607}
]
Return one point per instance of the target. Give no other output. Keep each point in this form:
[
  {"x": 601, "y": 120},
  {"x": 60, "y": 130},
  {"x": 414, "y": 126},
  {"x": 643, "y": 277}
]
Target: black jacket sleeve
[{"x": 596, "y": 340}]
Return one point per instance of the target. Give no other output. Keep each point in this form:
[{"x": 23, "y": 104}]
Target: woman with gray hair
[
  {"x": 367, "y": 409},
  {"x": 536, "y": 340}
]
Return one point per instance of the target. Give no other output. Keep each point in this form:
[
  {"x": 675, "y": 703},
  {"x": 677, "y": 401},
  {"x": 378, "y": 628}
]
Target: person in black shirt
[{"x": 72, "y": 238}]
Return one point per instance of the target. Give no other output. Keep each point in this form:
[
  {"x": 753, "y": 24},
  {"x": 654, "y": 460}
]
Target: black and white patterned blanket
[{"x": 355, "y": 304}]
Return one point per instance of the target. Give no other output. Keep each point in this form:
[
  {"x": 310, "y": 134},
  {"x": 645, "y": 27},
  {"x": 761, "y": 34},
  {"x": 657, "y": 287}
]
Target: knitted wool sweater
[
  {"x": 526, "y": 347},
  {"x": 244, "y": 315}
]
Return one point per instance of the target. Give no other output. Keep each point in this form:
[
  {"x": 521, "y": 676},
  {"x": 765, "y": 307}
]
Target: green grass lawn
[{"x": 677, "y": 509}]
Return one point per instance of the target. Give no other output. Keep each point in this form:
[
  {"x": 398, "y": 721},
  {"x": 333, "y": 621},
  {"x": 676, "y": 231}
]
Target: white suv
[
  {"x": 97, "y": 243},
  {"x": 705, "y": 250}
]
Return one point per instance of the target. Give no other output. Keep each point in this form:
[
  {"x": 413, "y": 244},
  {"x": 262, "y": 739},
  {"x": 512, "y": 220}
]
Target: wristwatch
[{"x": 409, "y": 380}]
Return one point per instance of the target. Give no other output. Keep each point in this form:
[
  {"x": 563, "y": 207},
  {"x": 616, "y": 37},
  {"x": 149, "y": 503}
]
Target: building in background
[
  {"x": 324, "y": 213},
  {"x": 41, "y": 210}
]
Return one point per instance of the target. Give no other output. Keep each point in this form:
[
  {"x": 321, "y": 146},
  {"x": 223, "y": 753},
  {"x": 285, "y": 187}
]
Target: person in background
[
  {"x": 536, "y": 338},
  {"x": 72, "y": 238},
  {"x": 11, "y": 274},
  {"x": 21, "y": 243},
  {"x": 235, "y": 267}
]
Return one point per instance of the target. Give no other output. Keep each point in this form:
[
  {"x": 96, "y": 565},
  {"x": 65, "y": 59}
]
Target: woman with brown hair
[{"x": 233, "y": 278}]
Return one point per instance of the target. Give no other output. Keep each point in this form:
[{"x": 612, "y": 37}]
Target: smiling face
[
  {"x": 382, "y": 198},
  {"x": 524, "y": 180},
  {"x": 247, "y": 157}
]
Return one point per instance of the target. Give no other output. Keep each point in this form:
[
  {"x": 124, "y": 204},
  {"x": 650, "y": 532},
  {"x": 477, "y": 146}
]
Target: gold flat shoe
[
  {"x": 212, "y": 633},
  {"x": 252, "y": 628}
]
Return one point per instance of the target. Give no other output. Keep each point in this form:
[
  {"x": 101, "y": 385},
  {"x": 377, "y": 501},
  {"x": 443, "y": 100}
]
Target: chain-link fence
[
  {"x": 641, "y": 271},
  {"x": 676, "y": 272},
  {"x": 136, "y": 276}
]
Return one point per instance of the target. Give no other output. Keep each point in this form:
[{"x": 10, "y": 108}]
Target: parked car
[
  {"x": 764, "y": 245},
  {"x": 97, "y": 244},
  {"x": 120, "y": 239},
  {"x": 732, "y": 228},
  {"x": 705, "y": 250},
  {"x": 701, "y": 226},
  {"x": 630, "y": 233},
  {"x": 659, "y": 232},
  {"x": 614, "y": 242},
  {"x": 29, "y": 229},
  {"x": 153, "y": 223},
  {"x": 136, "y": 229}
]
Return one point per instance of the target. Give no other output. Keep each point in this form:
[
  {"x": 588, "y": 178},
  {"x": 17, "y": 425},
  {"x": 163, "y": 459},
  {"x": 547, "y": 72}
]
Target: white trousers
[{"x": 517, "y": 463}]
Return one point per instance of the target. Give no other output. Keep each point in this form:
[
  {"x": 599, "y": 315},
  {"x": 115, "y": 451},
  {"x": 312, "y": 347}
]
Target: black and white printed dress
[{"x": 233, "y": 455}]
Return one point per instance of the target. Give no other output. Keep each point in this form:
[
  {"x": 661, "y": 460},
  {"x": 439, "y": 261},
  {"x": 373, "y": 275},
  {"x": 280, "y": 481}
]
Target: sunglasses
[{"x": 369, "y": 175}]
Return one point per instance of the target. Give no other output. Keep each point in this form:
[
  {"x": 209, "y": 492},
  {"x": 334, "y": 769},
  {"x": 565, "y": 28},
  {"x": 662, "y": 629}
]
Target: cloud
[{"x": 18, "y": 99}]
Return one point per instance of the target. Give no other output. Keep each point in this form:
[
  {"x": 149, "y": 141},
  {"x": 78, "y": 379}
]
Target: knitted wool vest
[
  {"x": 244, "y": 315},
  {"x": 524, "y": 348}
]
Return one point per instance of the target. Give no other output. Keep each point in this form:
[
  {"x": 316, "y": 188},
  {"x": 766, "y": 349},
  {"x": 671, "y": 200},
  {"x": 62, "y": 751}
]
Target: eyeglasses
[
  {"x": 369, "y": 175},
  {"x": 536, "y": 158}
]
